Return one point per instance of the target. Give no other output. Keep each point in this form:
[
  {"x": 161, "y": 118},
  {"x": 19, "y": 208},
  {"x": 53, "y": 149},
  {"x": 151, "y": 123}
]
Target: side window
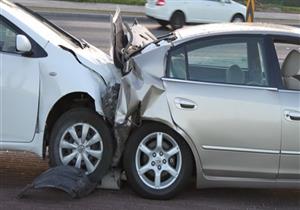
[
  {"x": 289, "y": 59},
  {"x": 7, "y": 38},
  {"x": 177, "y": 64},
  {"x": 221, "y": 60}
]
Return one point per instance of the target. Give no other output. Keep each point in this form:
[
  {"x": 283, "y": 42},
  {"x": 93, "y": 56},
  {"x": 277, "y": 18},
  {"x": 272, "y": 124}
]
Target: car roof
[{"x": 193, "y": 32}]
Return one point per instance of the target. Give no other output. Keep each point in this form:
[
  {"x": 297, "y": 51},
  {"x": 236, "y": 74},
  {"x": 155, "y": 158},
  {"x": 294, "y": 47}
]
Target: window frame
[
  {"x": 37, "y": 50},
  {"x": 288, "y": 39},
  {"x": 269, "y": 60}
]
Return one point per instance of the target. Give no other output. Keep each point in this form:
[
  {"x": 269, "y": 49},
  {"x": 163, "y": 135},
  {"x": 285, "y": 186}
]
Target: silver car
[{"x": 220, "y": 102}]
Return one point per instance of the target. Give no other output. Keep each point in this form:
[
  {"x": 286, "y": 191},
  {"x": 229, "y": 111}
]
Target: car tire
[
  {"x": 172, "y": 164},
  {"x": 163, "y": 23},
  {"x": 177, "y": 20},
  {"x": 80, "y": 138},
  {"x": 238, "y": 18}
]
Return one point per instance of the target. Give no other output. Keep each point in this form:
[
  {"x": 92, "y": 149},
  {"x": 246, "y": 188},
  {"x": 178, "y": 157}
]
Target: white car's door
[
  {"x": 221, "y": 94},
  {"x": 222, "y": 11},
  {"x": 204, "y": 11},
  {"x": 197, "y": 11},
  {"x": 19, "y": 89}
]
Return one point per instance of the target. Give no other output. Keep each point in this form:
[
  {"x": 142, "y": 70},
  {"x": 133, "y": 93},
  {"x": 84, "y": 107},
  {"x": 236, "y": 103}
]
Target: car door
[
  {"x": 197, "y": 11},
  {"x": 222, "y": 11},
  {"x": 204, "y": 11},
  {"x": 222, "y": 95},
  {"x": 290, "y": 102},
  {"x": 19, "y": 88}
]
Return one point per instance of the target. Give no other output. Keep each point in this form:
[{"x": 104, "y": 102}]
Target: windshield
[{"x": 59, "y": 31}]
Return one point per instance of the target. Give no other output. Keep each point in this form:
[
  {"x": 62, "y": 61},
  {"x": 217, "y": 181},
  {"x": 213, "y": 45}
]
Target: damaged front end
[
  {"x": 140, "y": 95},
  {"x": 137, "y": 96}
]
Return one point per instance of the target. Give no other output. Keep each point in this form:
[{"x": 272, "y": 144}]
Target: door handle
[
  {"x": 182, "y": 103},
  {"x": 292, "y": 115}
]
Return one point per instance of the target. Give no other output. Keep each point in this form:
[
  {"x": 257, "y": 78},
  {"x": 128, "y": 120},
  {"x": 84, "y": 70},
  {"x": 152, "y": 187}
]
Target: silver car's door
[
  {"x": 19, "y": 89},
  {"x": 290, "y": 150},
  {"x": 290, "y": 102},
  {"x": 221, "y": 94}
]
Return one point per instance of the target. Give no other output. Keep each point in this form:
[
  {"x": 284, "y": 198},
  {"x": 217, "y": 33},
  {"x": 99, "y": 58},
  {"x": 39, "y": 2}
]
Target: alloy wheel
[{"x": 158, "y": 160}]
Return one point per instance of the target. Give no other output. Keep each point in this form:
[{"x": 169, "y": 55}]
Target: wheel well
[
  {"x": 163, "y": 124},
  {"x": 178, "y": 11},
  {"x": 238, "y": 14},
  {"x": 66, "y": 103}
]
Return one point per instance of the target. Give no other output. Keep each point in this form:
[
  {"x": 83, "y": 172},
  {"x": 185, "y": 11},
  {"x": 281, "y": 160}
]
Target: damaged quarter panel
[
  {"x": 143, "y": 90},
  {"x": 143, "y": 85}
]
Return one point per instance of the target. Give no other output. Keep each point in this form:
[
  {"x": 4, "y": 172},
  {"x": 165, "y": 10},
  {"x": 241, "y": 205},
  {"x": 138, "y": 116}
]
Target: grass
[
  {"x": 131, "y": 2},
  {"x": 278, "y": 8},
  {"x": 291, "y": 9}
]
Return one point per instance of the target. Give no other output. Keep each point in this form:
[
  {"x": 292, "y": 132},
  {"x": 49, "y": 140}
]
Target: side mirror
[{"x": 23, "y": 44}]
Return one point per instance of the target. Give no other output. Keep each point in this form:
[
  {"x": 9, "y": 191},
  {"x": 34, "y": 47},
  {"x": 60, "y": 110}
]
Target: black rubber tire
[
  {"x": 238, "y": 16},
  {"x": 129, "y": 163},
  {"x": 163, "y": 23},
  {"x": 177, "y": 20},
  {"x": 82, "y": 115}
]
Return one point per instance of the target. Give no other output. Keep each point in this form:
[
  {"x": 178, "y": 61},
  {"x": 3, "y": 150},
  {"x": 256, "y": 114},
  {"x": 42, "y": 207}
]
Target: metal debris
[{"x": 66, "y": 178}]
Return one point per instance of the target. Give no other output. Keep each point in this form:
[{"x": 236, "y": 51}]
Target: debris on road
[{"x": 66, "y": 178}]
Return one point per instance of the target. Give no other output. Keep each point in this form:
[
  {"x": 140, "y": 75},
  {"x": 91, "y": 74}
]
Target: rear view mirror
[{"x": 23, "y": 44}]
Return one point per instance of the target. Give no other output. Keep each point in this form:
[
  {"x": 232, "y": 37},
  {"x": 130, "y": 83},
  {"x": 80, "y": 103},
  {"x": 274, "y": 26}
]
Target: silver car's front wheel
[
  {"x": 157, "y": 161},
  {"x": 80, "y": 138}
]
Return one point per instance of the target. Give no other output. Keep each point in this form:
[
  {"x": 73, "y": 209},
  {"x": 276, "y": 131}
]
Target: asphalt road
[
  {"x": 18, "y": 169},
  {"x": 95, "y": 28}
]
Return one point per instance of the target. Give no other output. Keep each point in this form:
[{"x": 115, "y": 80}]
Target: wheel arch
[
  {"x": 180, "y": 11},
  {"x": 65, "y": 103},
  {"x": 238, "y": 14}
]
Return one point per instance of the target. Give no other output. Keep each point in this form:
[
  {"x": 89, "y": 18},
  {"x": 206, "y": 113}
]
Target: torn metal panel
[
  {"x": 109, "y": 102},
  {"x": 140, "y": 94},
  {"x": 66, "y": 178},
  {"x": 134, "y": 48}
]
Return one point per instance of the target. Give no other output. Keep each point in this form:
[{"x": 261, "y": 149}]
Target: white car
[
  {"x": 50, "y": 92},
  {"x": 179, "y": 12}
]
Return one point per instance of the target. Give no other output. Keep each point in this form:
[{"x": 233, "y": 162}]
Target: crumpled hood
[{"x": 99, "y": 62}]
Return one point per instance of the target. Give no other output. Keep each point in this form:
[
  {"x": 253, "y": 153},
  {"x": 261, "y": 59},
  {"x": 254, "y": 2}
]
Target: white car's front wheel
[
  {"x": 157, "y": 161},
  {"x": 81, "y": 139}
]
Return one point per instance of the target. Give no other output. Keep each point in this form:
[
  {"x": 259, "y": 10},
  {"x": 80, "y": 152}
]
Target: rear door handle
[
  {"x": 292, "y": 115},
  {"x": 182, "y": 103}
]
